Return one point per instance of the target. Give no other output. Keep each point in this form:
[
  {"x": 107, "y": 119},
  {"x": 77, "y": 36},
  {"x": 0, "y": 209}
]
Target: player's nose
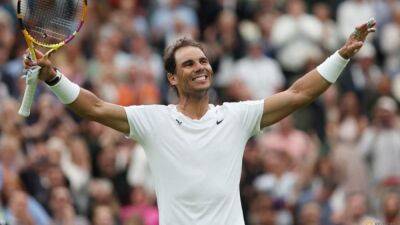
[{"x": 198, "y": 66}]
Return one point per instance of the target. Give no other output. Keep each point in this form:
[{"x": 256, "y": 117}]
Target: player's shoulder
[
  {"x": 242, "y": 106},
  {"x": 242, "y": 103},
  {"x": 147, "y": 109}
]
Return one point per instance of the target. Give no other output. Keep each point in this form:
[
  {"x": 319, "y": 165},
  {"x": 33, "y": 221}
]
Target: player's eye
[
  {"x": 188, "y": 63},
  {"x": 203, "y": 61}
]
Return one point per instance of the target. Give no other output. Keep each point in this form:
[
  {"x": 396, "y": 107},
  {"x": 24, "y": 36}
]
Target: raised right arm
[
  {"x": 89, "y": 106},
  {"x": 81, "y": 101}
]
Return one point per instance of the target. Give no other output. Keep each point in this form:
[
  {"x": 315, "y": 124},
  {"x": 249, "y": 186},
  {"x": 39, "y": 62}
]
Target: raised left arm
[{"x": 314, "y": 83}]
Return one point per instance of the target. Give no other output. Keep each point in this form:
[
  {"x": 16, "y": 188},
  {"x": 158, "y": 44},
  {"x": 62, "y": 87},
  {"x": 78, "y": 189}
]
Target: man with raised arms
[{"x": 194, "y": 148}]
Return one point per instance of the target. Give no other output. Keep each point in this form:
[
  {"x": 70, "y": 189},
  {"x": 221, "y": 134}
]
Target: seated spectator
[
  {"x": 390, "y": 211},
  {"x": 390, "y": 43},
  {"x": 310, "y": 214},
  {"x": 356, "y": 211},
  {"x": 344, "y": 136},
  {"x": 278, "y": 182},
  {"x": 297, "y": 36},
  {"x": 262, "y": 210},
  {"x": 347, "y": 19},
  {"x": 261, "y": 74},
  {"x": 380, "y": 143},
  {"x": 103, "y": 215},
  {"x": 142, "y": 206},
  {"x": 62, "y": 208},
  {"x": 365, "y": 76},
  {"x": 22, "y": 209},
  {"x": 285, "y": 137}
]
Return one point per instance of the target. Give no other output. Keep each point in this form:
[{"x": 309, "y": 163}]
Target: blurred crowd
[{"x": 335, "y": 162}]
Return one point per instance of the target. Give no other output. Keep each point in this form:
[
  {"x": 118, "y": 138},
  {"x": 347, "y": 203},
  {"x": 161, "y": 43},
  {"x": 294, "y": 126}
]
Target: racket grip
[{"x": 27, "y": 100}]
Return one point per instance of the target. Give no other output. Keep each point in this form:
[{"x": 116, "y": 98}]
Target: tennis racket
[{"x": 47, "y": 24}]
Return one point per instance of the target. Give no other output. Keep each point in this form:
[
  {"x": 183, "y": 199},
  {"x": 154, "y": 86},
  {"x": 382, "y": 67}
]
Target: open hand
[{"x": 357, "y": 38}]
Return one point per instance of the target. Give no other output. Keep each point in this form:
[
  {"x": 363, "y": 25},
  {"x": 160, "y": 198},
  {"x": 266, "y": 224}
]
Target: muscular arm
[
  {"x": 310, "y": 86},
  {"x": 300, "y": 94},
  {"x": 89, "y": 106},
  {"x": 86, "y": 105}
]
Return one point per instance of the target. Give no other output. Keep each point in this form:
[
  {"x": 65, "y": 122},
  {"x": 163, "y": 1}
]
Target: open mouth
[{"x": 200, "y": 78}]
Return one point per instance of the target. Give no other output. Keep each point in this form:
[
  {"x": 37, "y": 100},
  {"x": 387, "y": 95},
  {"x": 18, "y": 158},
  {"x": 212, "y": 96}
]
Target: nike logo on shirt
[{"x": 219, "y": 121}]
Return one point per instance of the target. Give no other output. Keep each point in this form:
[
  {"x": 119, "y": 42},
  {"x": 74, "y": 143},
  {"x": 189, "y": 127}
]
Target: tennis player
[{"x": 194, "y": 148}]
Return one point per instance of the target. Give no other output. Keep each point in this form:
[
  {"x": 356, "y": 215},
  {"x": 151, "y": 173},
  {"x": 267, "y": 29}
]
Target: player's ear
[{"x": 172, "y": 79}]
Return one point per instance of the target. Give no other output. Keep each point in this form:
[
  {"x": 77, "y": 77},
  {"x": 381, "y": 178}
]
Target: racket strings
[{"x": 51, "y": 22}]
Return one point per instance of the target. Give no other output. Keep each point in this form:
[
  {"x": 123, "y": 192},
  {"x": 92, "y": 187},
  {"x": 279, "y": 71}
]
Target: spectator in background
[
  {"x": 132, "y": 16},
  {"x": 11, "y": 121},
  {"x": 390, "y": 43},
  {"x": 103, "y": 215},
  {"x": 266, "y": 23},
  {"x": 165, "y": 20},
  {"x": 344, "y": 137},
  {"x": 285, "y": 137},
  {"x": 146, "y": 73},
  {"x": 40, "y": 175},
  {"x": 310, "y": 214},
  {"x": 109, "y": 55},
  {"x": 320, "y": 184},
  {"x": 347, "y": 19},
  {"x": 262, "y": 210},
  {"x": 330, "y": 34},
  {"x": 75, "y": 163},
  {"x": 62, "y": 208},
  {"x": 226, "y": 46},
  {"x": 134, "y": 220},
  {"x": 139, "y": 173},
  {"x": 297, "y": 36},
  {"x": 390, "y": 213},
  {"x": 384, "y": 11},
  {"x": 141, "y": 205},
  {"x": 101, "y": 193},
  {"x": 356, "y": 211},
  {"x": 261, "y": 74},
  {"x": 381, "y": 142},
  {"x": 145, "y": 58},
  {"x": 24, "y": 210},
  {"x": 365, "y": 76},
  {"x": 278, "y": 182},
  {"x": 8, "y": 78},
  {"x": 11, "y": 156}
]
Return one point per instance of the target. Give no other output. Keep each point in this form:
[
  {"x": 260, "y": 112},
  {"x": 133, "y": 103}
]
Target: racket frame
[{"x": 30, "y": 88}]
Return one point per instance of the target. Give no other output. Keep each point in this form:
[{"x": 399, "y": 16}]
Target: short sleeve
[
  {"x": 140, "y": 119},
  {"x": 249, "y": 114}
]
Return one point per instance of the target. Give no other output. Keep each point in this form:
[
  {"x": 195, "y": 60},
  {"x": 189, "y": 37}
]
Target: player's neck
[{"x": 194, "y": 108}]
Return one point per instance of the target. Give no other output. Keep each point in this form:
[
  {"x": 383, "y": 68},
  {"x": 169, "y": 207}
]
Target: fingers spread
[
  {"x": 361, "y": 27},
  {"x": 366, "y": 26}
]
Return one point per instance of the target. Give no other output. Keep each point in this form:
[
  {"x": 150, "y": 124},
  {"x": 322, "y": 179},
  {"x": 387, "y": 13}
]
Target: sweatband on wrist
[
  {"x": 332, "y": 67},
  {"x": 65, "y": 90}
]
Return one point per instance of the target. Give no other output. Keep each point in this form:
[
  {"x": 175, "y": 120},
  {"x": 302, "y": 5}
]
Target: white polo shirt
[{"x": 196, "y": 164}]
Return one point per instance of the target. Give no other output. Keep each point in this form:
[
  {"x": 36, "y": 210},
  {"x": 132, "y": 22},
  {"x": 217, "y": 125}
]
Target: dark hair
[{"x": 169, "y": 53}]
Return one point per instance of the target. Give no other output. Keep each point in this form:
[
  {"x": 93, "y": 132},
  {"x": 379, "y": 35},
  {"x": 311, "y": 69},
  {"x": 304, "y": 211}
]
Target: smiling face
[{"x": 193, "y": 72}]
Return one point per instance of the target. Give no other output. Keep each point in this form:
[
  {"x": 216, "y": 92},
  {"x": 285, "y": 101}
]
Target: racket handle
[
  {"x": 27, "y": 100},
  {"x": 31, "y": 83}
]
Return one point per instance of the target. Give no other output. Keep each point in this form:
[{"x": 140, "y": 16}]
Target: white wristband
[
  {"x": 332, "y": 67},
  {"x": 65, "y": 90}
]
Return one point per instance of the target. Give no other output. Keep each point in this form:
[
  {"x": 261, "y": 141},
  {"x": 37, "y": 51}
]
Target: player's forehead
[{"x": 188, "y": 53}]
